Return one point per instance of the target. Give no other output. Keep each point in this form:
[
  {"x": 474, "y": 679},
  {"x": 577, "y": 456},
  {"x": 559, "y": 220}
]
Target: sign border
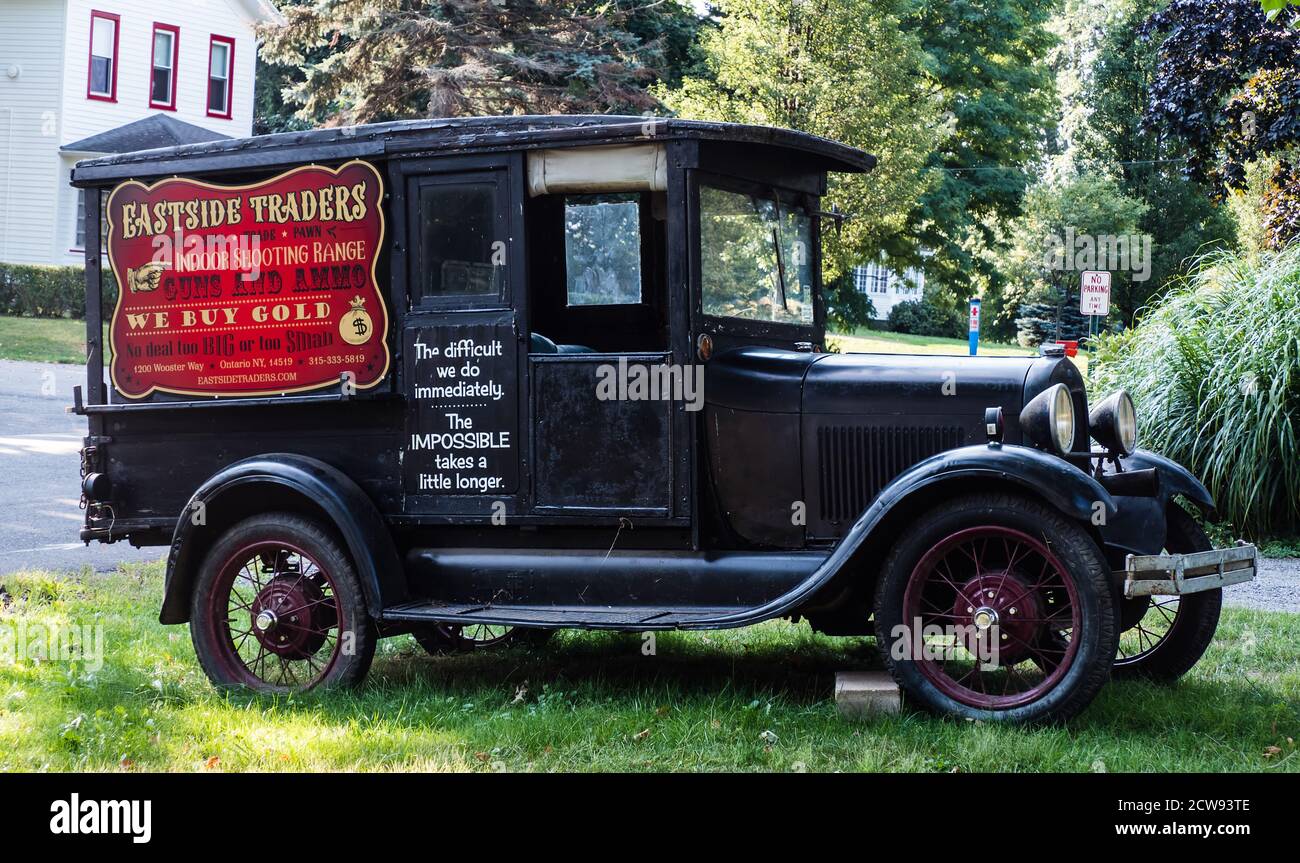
[
  {"x": 374, "y": 277},
  {"x": 1110, "y": 285}
]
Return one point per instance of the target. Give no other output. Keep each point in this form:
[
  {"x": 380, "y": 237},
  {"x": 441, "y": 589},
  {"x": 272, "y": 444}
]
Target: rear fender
[{"x": 272, "y": 482}]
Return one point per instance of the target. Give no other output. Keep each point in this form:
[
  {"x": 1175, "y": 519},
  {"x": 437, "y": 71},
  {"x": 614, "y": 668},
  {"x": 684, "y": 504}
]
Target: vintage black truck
[{"x": 480, "y": 379}]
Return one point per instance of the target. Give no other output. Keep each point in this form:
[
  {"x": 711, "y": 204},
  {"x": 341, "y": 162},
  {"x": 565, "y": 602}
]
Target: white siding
[
  {"x": 31, "y": 40},
  {"x": 198, "y": 20},
  {"x": 46, "y": 106},
  {"x": 887, "y": 288}
]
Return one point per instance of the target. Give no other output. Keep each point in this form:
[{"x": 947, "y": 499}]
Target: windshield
[{"x": 756, "y": 257}]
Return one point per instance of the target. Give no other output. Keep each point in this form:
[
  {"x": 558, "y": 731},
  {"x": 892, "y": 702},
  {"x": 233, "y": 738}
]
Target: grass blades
[{"x": 756, "y": 699}]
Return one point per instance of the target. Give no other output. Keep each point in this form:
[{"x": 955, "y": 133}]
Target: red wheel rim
[
  {"x": 276, "y": 619},
  {"x": 985, "y": 587}
]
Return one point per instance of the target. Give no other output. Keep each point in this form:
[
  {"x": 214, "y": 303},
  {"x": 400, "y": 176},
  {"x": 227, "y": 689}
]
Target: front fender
[
  {"x": 251, "y": 486},
  {"x": 1045, "y": 476},
  {"x": 1174, "y": 478}
]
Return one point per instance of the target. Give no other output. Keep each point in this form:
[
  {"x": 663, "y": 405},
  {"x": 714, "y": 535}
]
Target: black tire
[
  {"x": 442, "y": 639},
  {"x": 333, "y": 611},
  {"x": 1165, "y": 636},
  {"x": 1082, "y": 580}
]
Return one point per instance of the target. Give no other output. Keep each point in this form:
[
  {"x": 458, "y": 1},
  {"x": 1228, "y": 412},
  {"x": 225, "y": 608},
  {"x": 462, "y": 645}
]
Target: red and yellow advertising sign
[{"x": 249, "y": 290}]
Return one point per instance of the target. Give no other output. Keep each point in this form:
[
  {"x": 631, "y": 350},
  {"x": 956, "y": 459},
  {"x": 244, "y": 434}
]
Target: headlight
[
  {"x": 1048, "y": 419},
  {"x": 1113, "y": 423}
]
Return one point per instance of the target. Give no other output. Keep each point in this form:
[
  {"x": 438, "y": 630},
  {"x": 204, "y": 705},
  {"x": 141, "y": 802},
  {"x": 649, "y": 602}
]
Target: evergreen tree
[{"x": 356, "y": 61}]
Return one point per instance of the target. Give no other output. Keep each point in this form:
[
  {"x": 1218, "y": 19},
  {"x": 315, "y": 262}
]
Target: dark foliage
[
  {"x": 1227, "y": 84},
  {"x": 926, "y": 318}
]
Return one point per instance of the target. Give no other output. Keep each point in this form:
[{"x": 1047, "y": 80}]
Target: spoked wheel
[
  {"x": 997, "y": 607},
  {"x": 452, "y": 638},
  {"x": 277, "y": 608},
  {"x": 1164, "y": 636},
  {"x": 1007, "y": 606}
]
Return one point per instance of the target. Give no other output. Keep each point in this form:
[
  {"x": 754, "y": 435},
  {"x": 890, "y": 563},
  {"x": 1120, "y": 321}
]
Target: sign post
[
  {"x": 1094, "y": 296},
  {"x": 974, "y": 325}
]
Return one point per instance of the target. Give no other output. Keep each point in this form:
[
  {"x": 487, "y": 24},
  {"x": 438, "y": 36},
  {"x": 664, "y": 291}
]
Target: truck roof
[{"x": 456, "y": 135}]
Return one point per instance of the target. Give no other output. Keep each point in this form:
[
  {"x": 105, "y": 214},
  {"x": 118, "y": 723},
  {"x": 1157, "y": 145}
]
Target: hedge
[{"x": 37, "y": 291}]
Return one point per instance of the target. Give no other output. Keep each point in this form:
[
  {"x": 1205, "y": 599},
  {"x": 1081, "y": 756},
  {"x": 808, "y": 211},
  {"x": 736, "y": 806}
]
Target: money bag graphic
[{"x": 355, "y": 326}]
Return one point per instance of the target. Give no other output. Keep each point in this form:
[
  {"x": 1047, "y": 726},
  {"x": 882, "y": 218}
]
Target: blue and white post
[{"x": 974, "y": 325}]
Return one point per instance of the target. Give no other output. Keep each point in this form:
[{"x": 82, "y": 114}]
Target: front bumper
[{"x": 1177, "y": 574}]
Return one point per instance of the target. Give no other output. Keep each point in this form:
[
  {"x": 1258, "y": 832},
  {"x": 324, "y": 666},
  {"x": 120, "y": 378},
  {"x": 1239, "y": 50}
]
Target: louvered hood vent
[{"x": 856, "y": 461}]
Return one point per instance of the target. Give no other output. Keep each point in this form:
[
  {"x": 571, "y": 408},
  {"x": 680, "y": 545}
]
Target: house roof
[
  {"x": 261, "y": 11},
  {"x": 458, "y": 135},
  {"x": 154, "y": 131}
]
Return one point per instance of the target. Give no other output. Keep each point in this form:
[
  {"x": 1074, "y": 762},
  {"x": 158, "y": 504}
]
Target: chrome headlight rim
[
  {"x": 1048, "y": 420},
  {"x": 1113, "y": 423},
  {"x": 1062, "y": 419}
]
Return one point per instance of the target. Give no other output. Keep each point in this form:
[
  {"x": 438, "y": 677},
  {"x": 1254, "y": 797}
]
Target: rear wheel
[
  {"x": 278, "y": 608},
  {"x": 1164, "y": 636},
  {"x": 997, "y": 607},
  {"x": 466, "y": 638}
]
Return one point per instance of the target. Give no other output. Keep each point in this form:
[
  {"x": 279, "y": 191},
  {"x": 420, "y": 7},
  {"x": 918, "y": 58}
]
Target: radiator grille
[{"x": 858, "y": 461}]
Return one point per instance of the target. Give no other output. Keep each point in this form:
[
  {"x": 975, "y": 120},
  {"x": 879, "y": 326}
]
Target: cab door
[
  {"x": 457, "y": 266},
  {"x": 611, "y": 397}
]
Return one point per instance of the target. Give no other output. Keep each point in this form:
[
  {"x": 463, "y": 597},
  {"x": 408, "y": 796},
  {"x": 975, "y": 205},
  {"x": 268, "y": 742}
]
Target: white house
[
  {"x": 887, "y": 288},
  {"x": 80, "y": 78}
]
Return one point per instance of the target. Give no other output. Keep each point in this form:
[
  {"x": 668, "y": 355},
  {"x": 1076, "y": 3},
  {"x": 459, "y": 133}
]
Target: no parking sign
[{"x": 1094, "y": 293}]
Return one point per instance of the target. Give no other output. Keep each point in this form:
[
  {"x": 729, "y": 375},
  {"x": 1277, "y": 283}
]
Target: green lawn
[
  {"x": 46, "y": 340},
  {"x": 866, "y": 341},
  {"x": 754, "y": 699}
]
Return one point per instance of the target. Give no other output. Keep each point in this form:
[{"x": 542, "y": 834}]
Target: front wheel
[
  {"x": 277, "y": 608},
  {"x": 997, "y": 607}
]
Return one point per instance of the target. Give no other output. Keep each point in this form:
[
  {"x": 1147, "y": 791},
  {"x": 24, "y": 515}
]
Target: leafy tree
[
  {"x": 1227, "y": 84},
  {"x": 1275, "y": 8},
  {"x": 924, "y": 318},
  {"x": 1181, "y": 218},
  {"x": 1068, "y": 227},
  {"x": 985, "y": 67},
  {"x": 370, "y": 60},
  {"x": 845, "y": 69},
  {"x": 847, "y": 308}
]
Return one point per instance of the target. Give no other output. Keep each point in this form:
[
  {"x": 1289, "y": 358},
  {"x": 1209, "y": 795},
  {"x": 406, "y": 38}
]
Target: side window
[
  {"x": 101, "y": 82},
  {"x": 459, "y": 225},
  {"x": 755, "y": 257},
  {"x": 602, "y": 249},
  {"x": 221, "y": 53},
  {"x": 162, "y": 77}
]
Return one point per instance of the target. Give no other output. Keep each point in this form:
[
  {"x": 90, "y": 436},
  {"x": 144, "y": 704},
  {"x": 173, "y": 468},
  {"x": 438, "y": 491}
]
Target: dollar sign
[{"x": 359, "y": 324}]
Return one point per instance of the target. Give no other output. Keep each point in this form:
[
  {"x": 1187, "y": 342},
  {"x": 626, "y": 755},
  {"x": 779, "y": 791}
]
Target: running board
[
  {"x": 1177, "y": 574},
  {"x": 637, "y": 618}
]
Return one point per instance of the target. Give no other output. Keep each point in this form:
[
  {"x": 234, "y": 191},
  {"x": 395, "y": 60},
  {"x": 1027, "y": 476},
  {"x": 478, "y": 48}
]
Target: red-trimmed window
[
  {"x": 101, "y": 77},
  {"x": 162, "y": 68},
  {"x": 221, "y": 75}
]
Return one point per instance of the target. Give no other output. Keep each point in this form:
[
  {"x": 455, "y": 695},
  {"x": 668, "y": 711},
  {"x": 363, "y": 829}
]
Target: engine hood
[
  {"x": 909, "y": 384},
  {"x": 910, "y": 387}
]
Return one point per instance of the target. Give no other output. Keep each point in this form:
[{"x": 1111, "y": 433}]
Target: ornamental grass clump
[{"x": 1214, "y": 370}]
